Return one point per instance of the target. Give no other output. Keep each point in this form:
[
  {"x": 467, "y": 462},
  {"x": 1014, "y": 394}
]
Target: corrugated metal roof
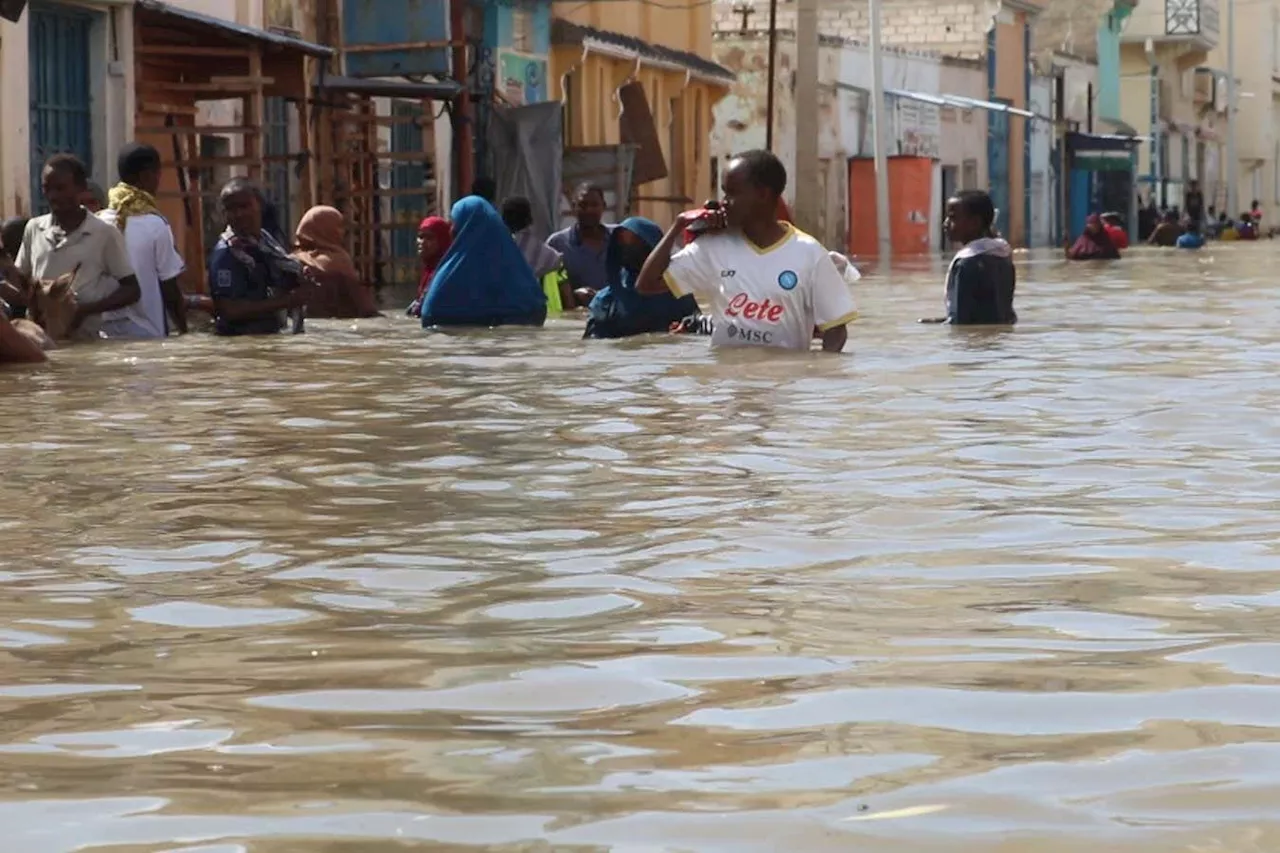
[
  {"x": 566, "y": 32},
  {"x": 442, "y": 90},
  {"x": 234, "y": 30}
]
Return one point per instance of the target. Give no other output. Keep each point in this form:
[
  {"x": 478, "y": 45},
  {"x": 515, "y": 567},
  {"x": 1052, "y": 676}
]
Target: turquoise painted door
[
  {"x": 998, "y": 165},
  {"x": 61, "y": 97}
]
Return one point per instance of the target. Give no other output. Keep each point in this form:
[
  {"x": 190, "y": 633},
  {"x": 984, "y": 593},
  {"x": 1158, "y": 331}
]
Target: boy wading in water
[
  {"x": 981, "y": 278},
  {"x": 769, "y": 284}
]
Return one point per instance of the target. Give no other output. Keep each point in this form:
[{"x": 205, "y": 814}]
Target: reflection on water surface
[{"x": 370, "y": 589}]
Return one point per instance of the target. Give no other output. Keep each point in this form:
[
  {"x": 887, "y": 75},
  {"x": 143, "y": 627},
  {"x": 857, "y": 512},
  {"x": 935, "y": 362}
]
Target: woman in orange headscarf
[{"x": 320, "y": 248}]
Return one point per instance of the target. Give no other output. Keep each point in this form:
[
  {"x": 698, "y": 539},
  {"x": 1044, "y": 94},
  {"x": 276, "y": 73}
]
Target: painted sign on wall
[
  {"x": 917, "y": 127},
  {"x": 521, "y": 79}
]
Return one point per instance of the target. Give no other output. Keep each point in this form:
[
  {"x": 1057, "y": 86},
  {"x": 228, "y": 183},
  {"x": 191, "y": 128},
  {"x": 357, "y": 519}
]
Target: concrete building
[
  {"x": 993, "y": 33},
  {"x": 955, "y": 138},
  {"x": 82, "y": 101},
  {"x": 598, "y": 48},
  {"x": 1257, "y": 71},
  {"x": 1165, "y": 100}
]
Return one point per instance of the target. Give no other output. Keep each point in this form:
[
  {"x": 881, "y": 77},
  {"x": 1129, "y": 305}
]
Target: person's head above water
[
  {"x": 63, "y": 181},
  {"x": 970, "y": 216},
  {"x": 752, "y": 184},
  {"x": 486, "y": 188},
  {"x": 589, "y": 205},
  {"x": 11, "y": 231},
  {"x": 241, "y": 203},
  {"x": 1093, "y": 224},
  {"x": 139, "y": 166},
  {"x": 517, "y": 212}
]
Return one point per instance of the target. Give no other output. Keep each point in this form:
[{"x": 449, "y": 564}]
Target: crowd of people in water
[
  {"x": 1190, "y": 227},
  {"x": 736, "y": 270}
]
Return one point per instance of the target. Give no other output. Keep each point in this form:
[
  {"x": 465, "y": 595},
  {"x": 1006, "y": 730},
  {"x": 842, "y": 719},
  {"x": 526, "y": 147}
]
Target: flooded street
[{"x": 375, "y": 590}]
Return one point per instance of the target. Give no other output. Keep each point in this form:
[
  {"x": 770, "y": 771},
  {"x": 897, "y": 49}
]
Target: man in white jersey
[
  {"x": 133, "y": 210},
  {"x": 768, "y": 283}
]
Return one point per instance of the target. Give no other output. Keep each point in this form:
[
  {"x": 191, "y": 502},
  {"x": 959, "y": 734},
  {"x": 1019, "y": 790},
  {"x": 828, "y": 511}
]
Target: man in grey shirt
[{"x": 583, "y": 245}]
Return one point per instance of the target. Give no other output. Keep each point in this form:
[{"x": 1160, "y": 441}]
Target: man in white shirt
[
  {"x": 70, "y": 243},
  {"x": 133, "y": 210},
  {"x": 769, "y": 284}
]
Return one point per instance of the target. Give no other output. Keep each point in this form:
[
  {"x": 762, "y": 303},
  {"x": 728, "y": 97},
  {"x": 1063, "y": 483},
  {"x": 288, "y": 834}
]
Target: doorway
[
  {"x": 61, "y": 96},
  {"x": 950, "y": 185}
]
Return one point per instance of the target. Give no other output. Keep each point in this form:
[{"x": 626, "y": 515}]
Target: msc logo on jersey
[
  {"x": 788, "y": 280},
  {"x": 728, "y": 273}
]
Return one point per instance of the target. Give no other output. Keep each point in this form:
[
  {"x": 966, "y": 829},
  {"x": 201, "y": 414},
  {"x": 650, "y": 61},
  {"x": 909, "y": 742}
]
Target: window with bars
[{"x": 522, "y": 28}]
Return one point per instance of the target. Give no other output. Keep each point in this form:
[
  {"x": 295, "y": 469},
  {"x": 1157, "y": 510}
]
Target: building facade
[
  {"x": 597, "y": 49},
  {"x": 954, "y": 138},
  {"x": 993, "y": 33},
  {"x": 66, "y": 76},
  {"x": 1164, "y": 99},
  {"x": 1257, "y": 72}
]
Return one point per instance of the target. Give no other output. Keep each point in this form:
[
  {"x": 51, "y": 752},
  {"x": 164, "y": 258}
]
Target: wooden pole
[
  {"x": 463, "y": 127},
  {"x": 772, "y": 74}
]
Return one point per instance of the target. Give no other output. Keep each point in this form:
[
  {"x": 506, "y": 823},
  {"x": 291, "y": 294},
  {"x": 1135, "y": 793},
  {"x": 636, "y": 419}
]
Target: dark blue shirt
[
  {"x": 584, "y": 264},
  {"x": 229, "y": 278}
]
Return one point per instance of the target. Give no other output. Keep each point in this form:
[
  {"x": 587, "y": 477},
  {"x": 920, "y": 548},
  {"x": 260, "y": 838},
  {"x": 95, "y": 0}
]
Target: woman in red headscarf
[
  {"x": 434, "y": 238},
  {"x": 1094, "y": 244}
]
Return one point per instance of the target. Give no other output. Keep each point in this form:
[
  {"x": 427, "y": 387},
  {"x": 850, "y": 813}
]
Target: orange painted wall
[{"x": 910, "y": 206}]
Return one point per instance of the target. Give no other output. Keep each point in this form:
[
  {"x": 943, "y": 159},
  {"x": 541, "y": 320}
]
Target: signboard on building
[
  {"x": 520, "y": 79},
  {"x": 396, "y": 38},
  {"x": 917, "y": 126}
]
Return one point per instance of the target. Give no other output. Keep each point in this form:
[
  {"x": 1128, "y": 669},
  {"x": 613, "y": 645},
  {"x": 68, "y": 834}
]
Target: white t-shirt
[
  {"x": 770, "y": 297},
  {"x": 94, "y": 251},
  {"x": 155, "y": 259}
]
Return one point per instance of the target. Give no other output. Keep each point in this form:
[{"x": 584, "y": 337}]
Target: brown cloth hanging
[{"x": 635, "y": 126}]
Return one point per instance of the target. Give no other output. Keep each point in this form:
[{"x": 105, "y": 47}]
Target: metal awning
[
  {"x": 435, "y": 90},
  {"x": 964, "y": 103},
  {"x": 197, "y": 26}
]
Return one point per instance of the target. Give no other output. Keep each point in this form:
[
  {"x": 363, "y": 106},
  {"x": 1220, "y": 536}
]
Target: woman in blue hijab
[
  {"x": 482, "y": 280},
  {"x": 619, "y": 311}
]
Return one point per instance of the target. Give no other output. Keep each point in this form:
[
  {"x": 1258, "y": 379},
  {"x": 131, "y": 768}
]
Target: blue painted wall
[{"x": 1109, "y": 62}]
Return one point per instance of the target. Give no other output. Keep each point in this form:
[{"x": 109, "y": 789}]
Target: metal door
[
  {"x": 949, "y": 188},
  {"x": 61, "y": 98},
  {"x": 276, "y": 147},
  {"x": 998, "y": 164},
  {"x": 410, "y": 176}
]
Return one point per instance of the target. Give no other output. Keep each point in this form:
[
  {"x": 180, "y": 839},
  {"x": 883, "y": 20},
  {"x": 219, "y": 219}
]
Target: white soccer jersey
[{"x": 772, "y": 297}]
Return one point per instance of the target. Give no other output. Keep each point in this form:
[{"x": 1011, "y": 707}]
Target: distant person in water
[
  {"x": 1246, "y": 229},
  {"x": 1167, "y": 232},
  {"x": 321, "y": 249},
  {"x": 1255, "y": 214},
  {"x": 1191, "y": 237},
  {"x": 485, "y": 188},
  {"x": 1093, "y": 244},
  {"x": 254, "y": 283},
  {"x": 434, "y": 238},
  {"x": 1213, "y": 225},
  {"x": 11, "y": 297},
  {"x": 1115, "y": 230},
  {"x": 981, "y": 279},
  {"x": 619, "y": 311},
  {"x": 483, "y": 280},
  {"x": 584, "y": 244},
  {"x": 517, "y": 213}
]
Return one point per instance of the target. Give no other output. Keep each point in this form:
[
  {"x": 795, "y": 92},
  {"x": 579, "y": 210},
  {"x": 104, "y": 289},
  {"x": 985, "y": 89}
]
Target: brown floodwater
[{"x": 370, "y": 589}]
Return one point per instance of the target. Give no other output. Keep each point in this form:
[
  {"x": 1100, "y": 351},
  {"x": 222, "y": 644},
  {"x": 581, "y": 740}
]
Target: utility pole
[
  {"x": 807, "y": 185},
  {"x": 1233, "y": 162},
  {"x": 772, "y": 74},
  {"x": 879, "y": 122}
]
